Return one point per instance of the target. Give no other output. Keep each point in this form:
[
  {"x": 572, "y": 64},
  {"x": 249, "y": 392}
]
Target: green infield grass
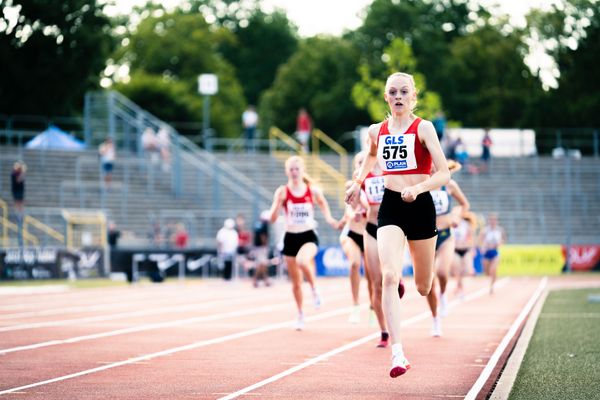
[{"x": 562, "y": 360}]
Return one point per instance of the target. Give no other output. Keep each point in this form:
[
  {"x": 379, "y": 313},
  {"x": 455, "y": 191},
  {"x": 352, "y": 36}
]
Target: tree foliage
[
  {"x": 428, "y": 26},
  {"x": 490, "y": 84},
  {"x": 319, "y": 77},
  {"x": 368, "y": 93},
  {"x": 52, "y": 52},
  {"x": 260, "y": 46},
  {"x": 169, "y": 51},
  {"x": 576, "y": 100}
]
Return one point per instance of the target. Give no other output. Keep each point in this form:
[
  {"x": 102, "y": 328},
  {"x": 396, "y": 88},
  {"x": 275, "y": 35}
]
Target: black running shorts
[
  {"x": 416, "y": 219},
  {"x": 292, "y": 242}
]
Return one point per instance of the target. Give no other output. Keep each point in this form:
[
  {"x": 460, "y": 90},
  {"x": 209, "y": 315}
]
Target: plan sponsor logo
[{"x": 396, "y": 164}]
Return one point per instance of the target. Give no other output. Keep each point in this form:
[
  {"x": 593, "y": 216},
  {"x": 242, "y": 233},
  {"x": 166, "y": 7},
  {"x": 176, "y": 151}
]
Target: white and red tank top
[
  {"x": 299, "y": 210},
  {"x": 400, "y": 154},
  {"x": 373, "y": 186},
  {"x": 442, "y": 201}
]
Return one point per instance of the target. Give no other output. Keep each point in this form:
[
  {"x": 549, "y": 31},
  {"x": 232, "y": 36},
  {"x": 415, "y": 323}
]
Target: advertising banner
[
  {"x": 51, "y": 263},
  {"x": 531, "y": 260},
  {"x": 583, "y": 257}
]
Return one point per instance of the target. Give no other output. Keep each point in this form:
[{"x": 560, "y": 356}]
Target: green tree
[
  {"x": 571, "y": 35},
  {"x": 52, "y": 52},
  {"x": 490, "y": 85},
  {"x": 368, "y": 93},
  {"x": 428, "y": 26},
  {"x": 318, "y": 77},
  {"x": 167, "y": 52},
  {"x": 260, "y": 46}
]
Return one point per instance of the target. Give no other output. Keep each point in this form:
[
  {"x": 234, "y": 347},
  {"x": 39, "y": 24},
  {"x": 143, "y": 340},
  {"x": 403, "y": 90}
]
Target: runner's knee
[
  {"x": 424, "y": 288},
  {"x": 391, "y": 278}
]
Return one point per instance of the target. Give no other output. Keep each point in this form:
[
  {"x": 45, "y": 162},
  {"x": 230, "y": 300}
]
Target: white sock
[{"x": 397, "y": 349}]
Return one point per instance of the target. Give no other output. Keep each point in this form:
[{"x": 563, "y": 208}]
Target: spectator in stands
[
  {"x": 300, "y": 243},
  {"x": 227, "y": 244},
  {"x": 164, "y": 147},
  {"x": 108, "y": 155},
  {"x": 486, "y": 144},
  {"x": 17, "y": 185},
  {"x": 181, "y": 237},
  {"x": 113, "y": 235},
  {"x": 244, "y": 235},
  {"x": 460, "y": 151},
  {"x": 303, "y": 128},
  {"x": 261, "y": 250},
  {"x": 249, "y": 122},
  {"x": 439, "y": 123},
  {"x": 491, "y": 237},
  {"x": 156, "y": 235},
  {"x": 150, "y": 144}
]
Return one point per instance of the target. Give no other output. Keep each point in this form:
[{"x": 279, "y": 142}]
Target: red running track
[{"x": 219, "y": 340}]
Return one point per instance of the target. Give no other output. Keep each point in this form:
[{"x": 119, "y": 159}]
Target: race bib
[
  {"x": 397, "y": 152},
  {"x": 441, "y": 200},
  {"x": 299, "y": 213},
  {"x": 374, "y": 187}
]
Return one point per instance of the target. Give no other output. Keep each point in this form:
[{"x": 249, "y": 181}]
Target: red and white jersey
[
  {"x": 373, "y": 186},
  {"x": 299, "y": 210},
  {"x": 401, "y": 154}
]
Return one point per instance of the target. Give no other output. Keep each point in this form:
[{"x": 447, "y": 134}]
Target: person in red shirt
[
  {"x": 404, "y": 146},
  {"x": 303, "y": 128},
  {"x": 244, "y": 235},
  {"x": 180, "y": 237}
]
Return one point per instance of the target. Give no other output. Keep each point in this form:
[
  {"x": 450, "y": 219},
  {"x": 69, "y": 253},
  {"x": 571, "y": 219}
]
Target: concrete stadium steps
[
  {"x": 529, "y": 194},
  {"x": 131, "y": 209}
]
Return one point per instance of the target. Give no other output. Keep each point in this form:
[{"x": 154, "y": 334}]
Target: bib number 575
[{"x": 394, "y": 152}]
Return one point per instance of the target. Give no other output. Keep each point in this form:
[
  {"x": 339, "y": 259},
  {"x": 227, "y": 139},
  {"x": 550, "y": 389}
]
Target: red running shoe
[
  {"x": 399, "y": 365},
  {"x": 383, "y": 342},
  {"x": 401, "y": 288}
]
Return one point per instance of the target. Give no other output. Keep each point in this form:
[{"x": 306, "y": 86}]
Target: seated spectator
[
  {"x": 17, "y": 180},
  {"x": 227, "y": 244},
  {"x": 180, "y": 237},
  {"x": 164, "y": 147},
  {"x": 150, "y": 144},
  {"x": 261, "y": 250},
  {"x": 108, "y": 154}
]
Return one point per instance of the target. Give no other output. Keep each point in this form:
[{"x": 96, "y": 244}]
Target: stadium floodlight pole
[
  {"x": 206, "y": 120},
  {"x": 208, "y": 85}
]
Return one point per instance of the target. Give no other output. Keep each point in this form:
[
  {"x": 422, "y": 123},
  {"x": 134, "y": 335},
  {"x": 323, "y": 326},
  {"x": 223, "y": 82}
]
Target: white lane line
[
  {"x": 487, "y": 371},
  {"x": 125, "y": 302},
  {"x": 346, "y": 347},
  {"x": 27, "y": 290},
  {"x": 153, "y": 326},
  {"x": 192, "y": 346},
  {"x": 110, "y": 317},
  {"x": 124, "y": 294}
]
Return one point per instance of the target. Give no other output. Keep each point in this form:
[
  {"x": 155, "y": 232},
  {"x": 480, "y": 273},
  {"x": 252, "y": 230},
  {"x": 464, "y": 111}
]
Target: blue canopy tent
[{"x": 56, "y": 139}]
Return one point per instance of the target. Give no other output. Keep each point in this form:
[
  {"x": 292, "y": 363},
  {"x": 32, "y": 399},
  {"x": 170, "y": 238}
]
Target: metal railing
[{"x": 329, "y": 178}]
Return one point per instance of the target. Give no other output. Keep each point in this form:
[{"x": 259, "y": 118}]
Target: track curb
[{"x": 509, "y": 374}]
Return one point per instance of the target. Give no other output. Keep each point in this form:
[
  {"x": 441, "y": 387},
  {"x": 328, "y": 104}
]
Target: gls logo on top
[{"x": 394, "y": 140}]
